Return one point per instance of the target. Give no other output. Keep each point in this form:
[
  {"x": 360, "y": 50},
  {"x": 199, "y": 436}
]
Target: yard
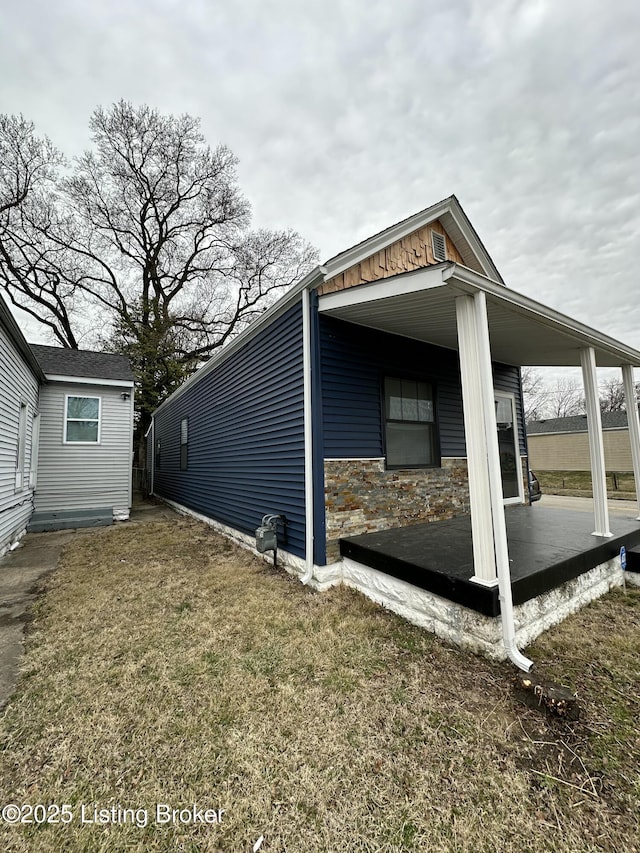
[
  {"x": 166, "y": 666},
  {"x": 620, "y": 485}
]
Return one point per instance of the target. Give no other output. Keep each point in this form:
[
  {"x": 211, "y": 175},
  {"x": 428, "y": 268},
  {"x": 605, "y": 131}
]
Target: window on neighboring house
[
  {"x": 82, "y": 420},
  {"x": 22, "y": 445},
  {"x": 439, "y": 246},
  {"x": 35, "y": 446},
  {"x": 409, "y": 423},
  {"x": 158, "y": 449},
  {"x": 184, "y": 443}
]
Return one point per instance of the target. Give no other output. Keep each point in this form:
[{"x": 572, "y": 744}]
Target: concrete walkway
[{"x": 22, "y": 572}]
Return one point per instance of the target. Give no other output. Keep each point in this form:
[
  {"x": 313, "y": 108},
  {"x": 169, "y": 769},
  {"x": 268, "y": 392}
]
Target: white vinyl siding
[
  {"x": 18, "y": 388},
  {"x": 85, "y": 475}
]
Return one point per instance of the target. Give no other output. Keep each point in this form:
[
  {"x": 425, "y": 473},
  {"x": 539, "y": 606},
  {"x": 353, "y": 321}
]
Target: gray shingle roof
[
  {"x": 576, "y": 423},
  {"x": 85, "y": 363}
]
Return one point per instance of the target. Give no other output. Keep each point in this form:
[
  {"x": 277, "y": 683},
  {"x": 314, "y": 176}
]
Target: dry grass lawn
[
  {"x": 620, "y": 486},
  {"x": 166, "y": 666}
]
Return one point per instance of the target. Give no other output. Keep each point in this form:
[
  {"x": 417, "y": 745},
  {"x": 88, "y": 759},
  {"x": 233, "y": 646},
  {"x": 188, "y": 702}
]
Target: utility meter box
[{"x": 266, "y": 538}]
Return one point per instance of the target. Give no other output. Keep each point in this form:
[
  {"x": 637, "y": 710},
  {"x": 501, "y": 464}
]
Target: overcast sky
[{"x": 348, "y": 115}]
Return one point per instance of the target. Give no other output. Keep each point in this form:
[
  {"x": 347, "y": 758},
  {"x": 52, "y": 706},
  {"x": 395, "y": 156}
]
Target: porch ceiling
[{"x": 523, "y": 332}]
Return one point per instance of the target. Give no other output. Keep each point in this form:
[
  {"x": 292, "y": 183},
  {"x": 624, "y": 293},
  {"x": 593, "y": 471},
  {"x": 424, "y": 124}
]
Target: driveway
[{"x": 586, "y": 504}]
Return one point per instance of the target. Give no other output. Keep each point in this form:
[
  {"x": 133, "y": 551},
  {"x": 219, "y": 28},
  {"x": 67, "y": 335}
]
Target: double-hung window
[
  {"x": 82, "y": 420},
  {"x": 409, "y": 423}
]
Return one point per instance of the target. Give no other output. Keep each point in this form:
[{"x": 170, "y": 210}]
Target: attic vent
[{"x": 439, "y": 247}]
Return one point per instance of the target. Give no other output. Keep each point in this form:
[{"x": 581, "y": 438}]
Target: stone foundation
[
  {"x": 472, "y": 630},
  {"x": 361, "y": 496}
]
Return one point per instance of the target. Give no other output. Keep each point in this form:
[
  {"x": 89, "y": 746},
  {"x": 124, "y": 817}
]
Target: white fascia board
[
  {"x": 313, "y": 279},
  {"x": 425, "y": 278},
  {"x": 469, "y": 281},
  {"x": 449, "y": 206},
  {"x": 385, "y": 238},
  {"x": 473, "y": 240},
  {"x": 84, "y": 380}
]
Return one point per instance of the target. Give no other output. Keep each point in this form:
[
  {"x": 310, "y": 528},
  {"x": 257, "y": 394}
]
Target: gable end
[{"x": 412, "y": 252}]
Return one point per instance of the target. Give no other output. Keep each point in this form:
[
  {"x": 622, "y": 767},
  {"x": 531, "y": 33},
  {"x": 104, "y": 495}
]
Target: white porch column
[
  {"x": 491, "y": 431},
  {"x": 633, "y": 420},
  {"x": 596, "y": 445},
  {"x": 484, "y": 561}
]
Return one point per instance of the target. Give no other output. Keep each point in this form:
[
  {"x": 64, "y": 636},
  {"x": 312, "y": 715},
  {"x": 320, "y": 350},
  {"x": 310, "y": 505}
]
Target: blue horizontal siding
[
  {"x": 354, "y": 359},
  {"x": 246, "y": 436},
  {"x": 506, "y": 378}
]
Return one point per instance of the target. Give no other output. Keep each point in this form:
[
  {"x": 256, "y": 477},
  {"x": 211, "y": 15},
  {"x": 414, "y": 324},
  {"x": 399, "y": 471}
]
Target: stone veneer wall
[{"x": 361, "y": 496}]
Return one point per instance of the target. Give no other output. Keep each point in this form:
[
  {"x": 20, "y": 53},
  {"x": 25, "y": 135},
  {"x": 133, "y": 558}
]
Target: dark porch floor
[{"x": 546, "y": 548}]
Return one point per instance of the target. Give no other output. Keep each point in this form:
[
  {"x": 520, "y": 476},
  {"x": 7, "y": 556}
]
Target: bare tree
[
  {"x": 31, "y": 266},
  {"x": 612, "y": 396},
  {"x": 147, "y": 238},
  {"x": 565, "y": 399},
  {"x": 535, "y": 393}
]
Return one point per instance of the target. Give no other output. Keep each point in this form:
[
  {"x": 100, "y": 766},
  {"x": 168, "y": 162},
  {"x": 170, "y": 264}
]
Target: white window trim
[
  {"x": 432, "y": 423},
  {"x": 35, "y": 449},
  {"x": 507, "y": 395},
  {"x": 21, "y": 449},
  {"x": 65, "y": 420},
  {"x": 433, "y": 248}
]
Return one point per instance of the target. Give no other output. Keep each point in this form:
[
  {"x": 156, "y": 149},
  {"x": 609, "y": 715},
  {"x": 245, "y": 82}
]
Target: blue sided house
[{"x": 377, "y": 410}]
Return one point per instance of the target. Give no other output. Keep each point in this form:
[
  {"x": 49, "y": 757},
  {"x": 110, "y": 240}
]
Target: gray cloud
[{"x": 349, "y": 115}]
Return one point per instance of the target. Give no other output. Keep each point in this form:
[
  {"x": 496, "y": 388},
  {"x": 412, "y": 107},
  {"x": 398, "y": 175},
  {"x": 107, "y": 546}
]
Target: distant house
[
  {"x": 562, "y": 444},
  {"x": 380, "y": 394},
  {"x": 66, "y": 434}
]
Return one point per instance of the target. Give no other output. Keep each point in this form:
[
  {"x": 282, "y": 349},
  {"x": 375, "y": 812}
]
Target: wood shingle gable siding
[{"x": 409, "y": 253}]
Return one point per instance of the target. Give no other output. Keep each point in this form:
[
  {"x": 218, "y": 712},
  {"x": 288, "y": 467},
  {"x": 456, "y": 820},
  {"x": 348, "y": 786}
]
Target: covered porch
[
  {"x": 495, "y": 557},
  {"x": 547, "y": 547}
]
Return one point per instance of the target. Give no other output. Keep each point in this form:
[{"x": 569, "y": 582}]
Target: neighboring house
[
  {"x": 562, "y": 444},
  {"x": 20, "y": 380},
  {"x": 383, "y": 391},
  {"x": 86, "y": 438},
  {"x": 66, "y": 434}
]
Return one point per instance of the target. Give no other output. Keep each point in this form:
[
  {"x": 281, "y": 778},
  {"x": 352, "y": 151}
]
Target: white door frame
[{"x": 507, "y": 395}]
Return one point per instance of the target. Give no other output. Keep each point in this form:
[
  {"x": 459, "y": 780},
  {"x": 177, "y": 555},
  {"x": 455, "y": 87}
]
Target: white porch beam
[
  {"x": 633, "y": 420},
  {"x": 596, "y": 444},
  {"x": 484, "y": 561},
  {"x": 499, "y": 525}
]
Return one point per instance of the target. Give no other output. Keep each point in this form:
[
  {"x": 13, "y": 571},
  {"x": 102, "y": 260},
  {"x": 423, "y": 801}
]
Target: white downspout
[
  {"x": 153, "y": 453},
  {"x": 495, "y": 479},
  {"x": 308, "y": 438}
]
